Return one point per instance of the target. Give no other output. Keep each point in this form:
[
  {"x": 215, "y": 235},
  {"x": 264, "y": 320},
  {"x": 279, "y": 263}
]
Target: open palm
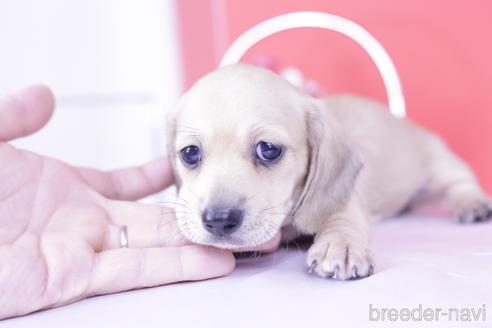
[{"x": 60, "y": 225}]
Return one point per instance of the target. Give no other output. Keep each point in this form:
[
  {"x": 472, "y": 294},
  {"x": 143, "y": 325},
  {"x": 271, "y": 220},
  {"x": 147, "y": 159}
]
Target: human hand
[{"x": 60, "y": 225}]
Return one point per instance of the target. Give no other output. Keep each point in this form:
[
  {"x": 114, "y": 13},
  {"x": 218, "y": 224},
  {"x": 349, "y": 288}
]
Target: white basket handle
[{"x": 302, "y": 19}]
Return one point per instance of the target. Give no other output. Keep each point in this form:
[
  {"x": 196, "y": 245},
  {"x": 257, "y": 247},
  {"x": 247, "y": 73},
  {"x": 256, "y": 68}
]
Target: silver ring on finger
[{"x": 124, "y": 236}]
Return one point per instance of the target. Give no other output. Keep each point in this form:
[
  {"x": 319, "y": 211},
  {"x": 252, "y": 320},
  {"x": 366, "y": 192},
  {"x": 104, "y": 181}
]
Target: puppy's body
[
  {"x": 403, "y": 163},
  {"x": 398, "y": 156},
  {"x": 345, "y": 161}
]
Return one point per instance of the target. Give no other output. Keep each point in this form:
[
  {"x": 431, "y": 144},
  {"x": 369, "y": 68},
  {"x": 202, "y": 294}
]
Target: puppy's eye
[
  {"x": 267, "y": 152},
  {"x": 191, "y": 155}
]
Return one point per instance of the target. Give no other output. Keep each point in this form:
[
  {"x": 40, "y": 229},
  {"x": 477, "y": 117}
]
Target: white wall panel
[{"x": 114, "y": 68}]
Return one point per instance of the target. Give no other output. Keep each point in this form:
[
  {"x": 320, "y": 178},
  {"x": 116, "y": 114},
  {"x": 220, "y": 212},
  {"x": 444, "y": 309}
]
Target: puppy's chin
[{"x": 265, "y": 242}]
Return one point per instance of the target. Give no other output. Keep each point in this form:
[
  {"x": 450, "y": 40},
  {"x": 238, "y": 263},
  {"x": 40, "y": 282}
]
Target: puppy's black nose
[{"x": 221, "y": 221}]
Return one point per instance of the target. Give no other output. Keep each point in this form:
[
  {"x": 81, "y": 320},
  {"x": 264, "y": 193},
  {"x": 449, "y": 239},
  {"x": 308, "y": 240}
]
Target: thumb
[{"x": 24, "y": 112}]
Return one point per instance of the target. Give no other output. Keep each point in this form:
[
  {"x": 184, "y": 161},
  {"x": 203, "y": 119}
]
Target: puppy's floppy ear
[{"x": 333, "y": 166}]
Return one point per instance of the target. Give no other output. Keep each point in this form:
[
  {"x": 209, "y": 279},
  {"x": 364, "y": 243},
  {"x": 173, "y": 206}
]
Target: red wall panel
[{"x": 441, "y": 49}]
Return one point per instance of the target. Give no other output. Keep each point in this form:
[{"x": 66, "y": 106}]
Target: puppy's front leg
[{"x": 340, "y": 249}]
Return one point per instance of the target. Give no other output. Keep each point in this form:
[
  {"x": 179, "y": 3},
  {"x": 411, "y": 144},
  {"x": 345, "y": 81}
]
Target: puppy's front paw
[
  {"x": 340, "y": 260},
  {"x": 475, "y": 211}
]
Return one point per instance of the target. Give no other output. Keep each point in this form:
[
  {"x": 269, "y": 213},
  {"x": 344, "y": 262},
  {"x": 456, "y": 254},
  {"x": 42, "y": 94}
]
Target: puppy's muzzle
[{"x": 222, "y": 221}]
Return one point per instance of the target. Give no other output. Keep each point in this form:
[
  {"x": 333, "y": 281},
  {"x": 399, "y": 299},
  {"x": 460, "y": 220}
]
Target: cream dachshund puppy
[{"x": 253, "y": 155}]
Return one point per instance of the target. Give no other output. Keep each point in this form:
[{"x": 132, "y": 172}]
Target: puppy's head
[{"x": 249, "y": 151}]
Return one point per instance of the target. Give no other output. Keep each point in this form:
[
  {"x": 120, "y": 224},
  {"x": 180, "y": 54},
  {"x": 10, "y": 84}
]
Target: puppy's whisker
[
  {"x": 176, "y": 212},
  {"x": 297, "y": 245},
  {"x": 172, "y": 221},
  {"x": 272, "y": 207},
  {"x": 182, "y": 132},
  {"x": 188, "y": 230},
  {"x": 252, "y": 196},
  {"x": 272, "y": 223},
  {"x": 177, "y": 197},
  {"x": 186, "y": 130},
  {"x": 198, "y": 205},
  {"x": 171, "y": 205},
  {"x": 167, "y": 202},
  {"x": 190, "y": 135},
  {"x": 181, "y": 126},
  {"x": 286, "y": 214},
  {"x": 170, "y": 210}
]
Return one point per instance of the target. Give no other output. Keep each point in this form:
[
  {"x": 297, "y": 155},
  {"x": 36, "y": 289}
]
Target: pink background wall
[{"x": 441, "y": 49}]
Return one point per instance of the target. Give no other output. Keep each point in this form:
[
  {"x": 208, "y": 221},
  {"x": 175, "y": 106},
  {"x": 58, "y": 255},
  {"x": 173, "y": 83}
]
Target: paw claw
[
  {"x": 339, "y": 260},
  {"x": 334, "y": 274},
  {"x": 355, "y": 274},
  {"x": 479, "y": 211},
  {"x": 313, "y": 266}
]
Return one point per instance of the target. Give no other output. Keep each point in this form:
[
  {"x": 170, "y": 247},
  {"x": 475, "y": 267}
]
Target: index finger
[
  {"x": 24, "y": 112},
  {"x": 130, "y": 183}
]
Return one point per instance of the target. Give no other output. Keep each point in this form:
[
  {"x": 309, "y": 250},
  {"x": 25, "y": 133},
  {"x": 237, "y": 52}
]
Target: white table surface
[{"x": 430, "y": 261}]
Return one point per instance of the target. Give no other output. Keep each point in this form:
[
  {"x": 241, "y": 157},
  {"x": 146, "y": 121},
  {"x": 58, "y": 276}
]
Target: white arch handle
[{"x": 374, "y": 49}]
